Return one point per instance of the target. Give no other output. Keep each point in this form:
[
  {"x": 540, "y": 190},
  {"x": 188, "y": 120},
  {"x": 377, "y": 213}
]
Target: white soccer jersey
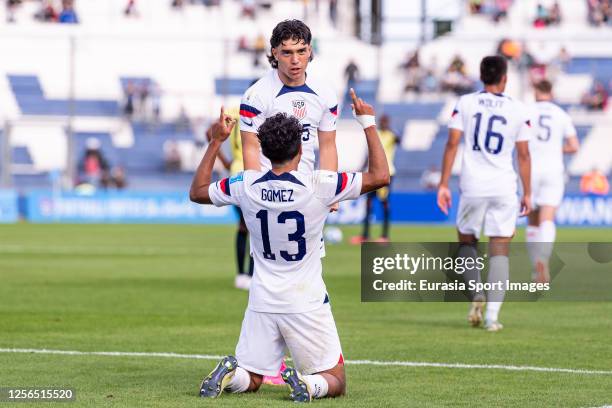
[
  {"x": 553, "y": 126},
  {"x": 314, "y": 104},
  {"x": 285, "y": 215},
  {"x": 491, "y": 125}
]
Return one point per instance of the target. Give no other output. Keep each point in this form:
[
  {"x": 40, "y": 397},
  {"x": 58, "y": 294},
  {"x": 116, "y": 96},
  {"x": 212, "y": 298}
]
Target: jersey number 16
[{"x": 490, "y": 135}]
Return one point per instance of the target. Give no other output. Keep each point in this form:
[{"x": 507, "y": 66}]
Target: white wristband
[{"x": 365, "y": 120}]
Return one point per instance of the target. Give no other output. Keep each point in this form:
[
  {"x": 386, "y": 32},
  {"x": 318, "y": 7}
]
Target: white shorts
[
  {"x": 311, "y": 338},
  {"x": 498, "y": 214},
  {"x": 547, "y": 189}
]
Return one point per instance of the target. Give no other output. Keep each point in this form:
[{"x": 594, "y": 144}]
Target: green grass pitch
[{"x": 166, "y": 288}]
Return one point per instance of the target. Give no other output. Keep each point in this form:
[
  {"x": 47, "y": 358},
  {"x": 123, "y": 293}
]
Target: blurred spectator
[
  {"x": 413, "y": 72},
  {"x": 93, "y": 164},
  {"x": 248, "y": 9},
  {"x": 594, "y": 182},
  {"x": 596, "y": 98},
  {"x": 128, "y": 107},
  {"x": 68, "y": 14},
  {"x": 182, "y": 121},
  {"x": 547, "y": 16},
  {"x": 143, "y": 99},
  {"x": 600, "y": 12},
  {"x": 156, "y": 102},
  {"x": 456, "y": 79},
  {"x": 555, "y": 14},
  {"x": 172, "y": 156},
  {"x": 496, "y": 9},
  {"x": 430, "y": 82},
  {"x": 115, "y": 179},
  {"x": 351, "y": 73},
  {"x": 333, "y": 12},
  {"x": 542, "y": 16},
  {"x": 11, "y": 6},
  {"x": 130, "y": 9},
  {"x": 259, "y": 49},
  {"x": 431, "y": 178},
  {"x": 47, "y": 12},
  {"x": 560, "y": 62},
  {"x": 177, "y": 4},
  {"x": 476, "y": 6}
]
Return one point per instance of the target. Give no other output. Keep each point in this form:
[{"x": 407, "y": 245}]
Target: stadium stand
[{"x": 196, "y": 73}]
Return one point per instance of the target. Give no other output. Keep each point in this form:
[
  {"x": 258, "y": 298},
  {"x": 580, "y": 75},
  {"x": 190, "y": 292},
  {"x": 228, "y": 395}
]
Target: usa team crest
[{"x": 299, "y": 108}]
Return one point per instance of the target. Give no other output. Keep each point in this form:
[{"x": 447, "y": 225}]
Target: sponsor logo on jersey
[
  {"x": 299, "y": 108},
  {"x": 237, "y": 177}
]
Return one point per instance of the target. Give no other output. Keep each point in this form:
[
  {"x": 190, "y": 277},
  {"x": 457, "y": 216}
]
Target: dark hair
[
  {"x": 280, "y": 137},
  {"x": 294, "y": 30},
  {"x": 544, "y": 86},
  {"x": 492, "y": 69}
]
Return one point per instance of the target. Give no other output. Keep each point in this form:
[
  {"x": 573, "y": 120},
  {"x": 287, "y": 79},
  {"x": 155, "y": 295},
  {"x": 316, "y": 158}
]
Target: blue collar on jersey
[
  {"x": 270, "y": 176},
  {"x": 492, "y": 93},
  {"x": 302, "y": 88}
]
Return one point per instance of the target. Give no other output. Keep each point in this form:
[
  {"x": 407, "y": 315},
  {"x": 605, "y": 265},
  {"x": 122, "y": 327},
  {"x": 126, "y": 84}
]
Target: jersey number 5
[
  {"x": 296, "y": 236},
  {"x": 490, "y": 134}
]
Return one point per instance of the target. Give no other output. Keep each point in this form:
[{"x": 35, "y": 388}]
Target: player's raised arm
[
  {"x": 524, "y": 165},
  {"x": 203, "y": 175},
  {"x": 450, "y": 152},
  {"x": 378, "y": 169}
]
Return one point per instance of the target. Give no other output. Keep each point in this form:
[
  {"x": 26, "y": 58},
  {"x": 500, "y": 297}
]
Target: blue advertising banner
[
  {"x": 156, "y": 207},
  {"x": 8, "y": 206},
  {"x": 122, "y": 207}
]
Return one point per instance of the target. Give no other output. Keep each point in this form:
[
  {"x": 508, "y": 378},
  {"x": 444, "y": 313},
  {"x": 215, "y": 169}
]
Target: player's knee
[{"x": 256, "y": 381}]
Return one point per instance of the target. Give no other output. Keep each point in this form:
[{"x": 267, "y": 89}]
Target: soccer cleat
[
  {"x": 212, "y": 386},
  {"x": 493, "y": 326},
  {"x": 475, "y": 314},
  {"x": 383, "y": 240},
  {"x": 358, "y": 240},
  {"x": 276, "y": 380},
  {"x": 299, "y": 388}
]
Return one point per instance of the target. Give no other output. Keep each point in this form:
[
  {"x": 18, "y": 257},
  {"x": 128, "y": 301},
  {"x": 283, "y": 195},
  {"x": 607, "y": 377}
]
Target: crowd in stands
[
  {"x": 425, "y": 79},
  {"x": 547, "y": 16},
  {"x": 49, "y": 11},
  {"x": 142, "y": 101},
  {"x": 600, "y": 12},
  {"x": 497, "y": 10}
]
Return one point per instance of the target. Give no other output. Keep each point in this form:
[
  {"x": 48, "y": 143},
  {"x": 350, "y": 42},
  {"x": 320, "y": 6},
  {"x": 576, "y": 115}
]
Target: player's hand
[
  {"x": 223, "y": 127},
  {"x": 525, "y": 205},
  {"x": 444, "y": 199},
  {"x": 334, "y": 207},
  {"x": 359, "y": 106}
]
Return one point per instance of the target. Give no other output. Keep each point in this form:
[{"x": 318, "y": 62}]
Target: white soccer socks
[
  {"x": 499, "y": 271},
  {"x": 317, "y": 384},
  {"x": 548, "y": 234},
  {"x": 240, "y": 381}
]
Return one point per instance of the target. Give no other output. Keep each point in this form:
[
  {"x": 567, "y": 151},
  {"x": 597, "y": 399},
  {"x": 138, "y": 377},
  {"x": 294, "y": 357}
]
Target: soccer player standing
[
  {"x": 287, "y": 88},
  {"x": 555, "y": 136},
  {"x": 492, "y": 125},
  {"x": 285, "y": 211}
]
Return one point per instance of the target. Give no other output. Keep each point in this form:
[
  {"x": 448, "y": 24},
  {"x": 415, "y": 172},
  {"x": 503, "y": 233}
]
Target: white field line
[{"x": 349, "y": 362}]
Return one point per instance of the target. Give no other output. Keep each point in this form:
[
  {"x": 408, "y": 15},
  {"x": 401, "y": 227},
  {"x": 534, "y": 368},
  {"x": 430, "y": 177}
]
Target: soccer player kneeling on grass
[{"x": 285, "y": 212}]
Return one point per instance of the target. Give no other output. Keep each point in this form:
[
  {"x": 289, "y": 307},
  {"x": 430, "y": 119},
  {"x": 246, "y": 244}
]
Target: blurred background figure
[
  {"x": 93, "y": 165},
  {"x": 389, "y": 142},
  {"x": 595, "y": 182}
]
